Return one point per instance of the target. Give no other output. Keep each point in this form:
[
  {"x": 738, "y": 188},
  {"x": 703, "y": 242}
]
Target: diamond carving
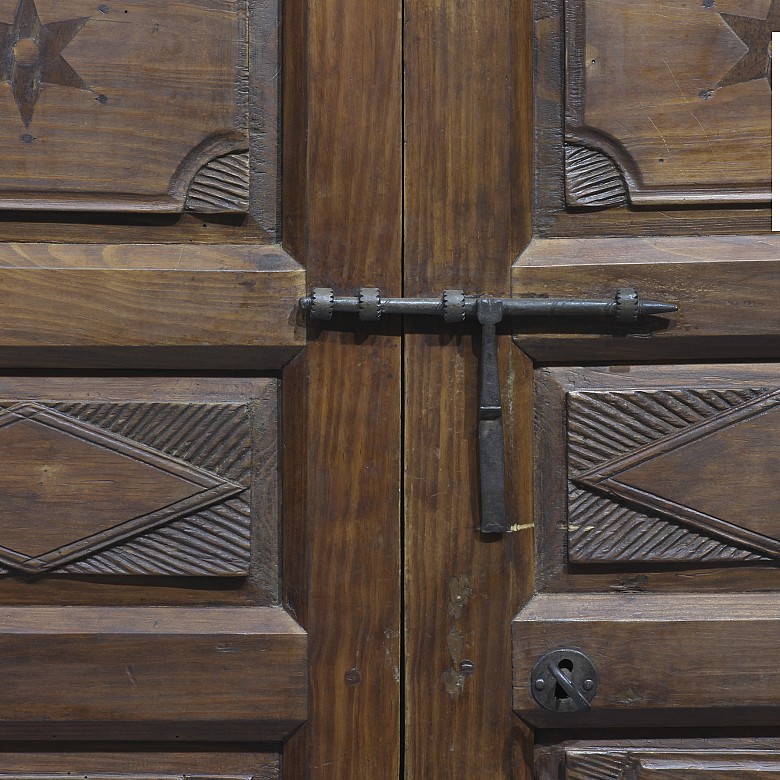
[
  {"x": 719, "y": 476},
  {"x": 69, "y": 489}
]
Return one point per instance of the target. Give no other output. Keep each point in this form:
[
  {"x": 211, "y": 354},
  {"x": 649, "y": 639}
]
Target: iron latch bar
[{"x": 454, "y": 306}]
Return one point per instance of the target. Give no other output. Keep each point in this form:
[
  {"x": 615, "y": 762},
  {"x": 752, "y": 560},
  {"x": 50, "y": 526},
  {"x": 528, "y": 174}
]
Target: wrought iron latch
[{"x": 454, "y": 306}]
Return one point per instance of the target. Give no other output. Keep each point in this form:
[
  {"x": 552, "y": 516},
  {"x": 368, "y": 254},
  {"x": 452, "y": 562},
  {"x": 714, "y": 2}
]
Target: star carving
[
  {"x": 756, "y": 34},
  {"x": 31, "y": 55}
]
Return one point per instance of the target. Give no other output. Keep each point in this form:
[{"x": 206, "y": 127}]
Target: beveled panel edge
[
  {"x": 578, "y": 131},
  {"x": 552, "y": 384},
  {"x": 551, "y": 214},
  {"x": 114, "y": 761},
  {"x": 543, "y": 252},
  {"x": 116, "y": 299},
  {"x": 557, "y": 755},
  {"x": 613, "y": 630},
  {"x": 147, "y": 257},
  {"x": 723, "y": 285},
  {"x": 255, "y": 133},
  {"x": 263, "y": 646}
]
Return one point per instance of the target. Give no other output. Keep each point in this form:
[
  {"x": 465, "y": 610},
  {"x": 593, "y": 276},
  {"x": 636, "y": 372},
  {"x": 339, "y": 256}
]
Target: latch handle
[
  {"x": 493, "y": 518},
  {"x": 454, "y": 306}
]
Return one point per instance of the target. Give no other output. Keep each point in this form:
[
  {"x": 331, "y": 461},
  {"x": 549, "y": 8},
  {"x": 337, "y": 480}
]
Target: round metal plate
[{"x": 576, "y": 668}]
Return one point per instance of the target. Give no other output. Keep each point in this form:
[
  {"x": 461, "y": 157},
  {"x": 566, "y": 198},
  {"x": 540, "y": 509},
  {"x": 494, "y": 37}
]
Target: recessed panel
[
  {"x": 668, "y": 103},
  {"x": 152, "y": 672},
  {"x": 122, "y": 762},
  {"x": 660, "y": 660},
  {"x": 677, "y": 474},
  {"x": 97, "y": 483},
  {"x": 142, "y": 105},
  {"x": 681, "y": 758},
  {"x": 656, "y": 477}
]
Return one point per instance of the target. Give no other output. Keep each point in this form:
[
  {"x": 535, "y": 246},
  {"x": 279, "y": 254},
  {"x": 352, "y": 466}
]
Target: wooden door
[
  {"x": 655, "y": 449},
  {"x": 241, "y": 595},
  {"x": 147, "y": 311},
  {"x": 555, "y": 149}
]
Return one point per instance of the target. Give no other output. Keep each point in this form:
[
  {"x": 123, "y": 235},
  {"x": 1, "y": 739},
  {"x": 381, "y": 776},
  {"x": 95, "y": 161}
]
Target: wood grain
[
  {"x": 223, "y": 762},
  {"x": 660, "y": 764},
  {"x": 129, "y": 73},
  {"x": 700, "y": 386},
  {"x": 90, "y": 489},
  {"x": 552, "y": 216},
  {"x": 716, "y": 476},
  {"x": 143, "y": 408},
  {"x": 142, "y": 666},
  {"x": 226, "y": 443},
  {"x": 722, "y": 285},
  {"x": 656, "y": 103},
  {"x": 624, "y": 755},
  {"x": 342, "y": 397},
  {"x": 91, "y": 296},
  {"x": 683, "y": 680},
  {"x": 604, "y": 426},
  {"x": 467, "y": 211}
]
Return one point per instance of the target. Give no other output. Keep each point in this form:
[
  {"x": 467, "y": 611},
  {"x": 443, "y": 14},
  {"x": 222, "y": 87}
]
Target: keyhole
[{"x": 565, "y": 665}]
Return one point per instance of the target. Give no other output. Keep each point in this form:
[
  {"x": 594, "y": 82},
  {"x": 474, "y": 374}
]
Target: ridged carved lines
[
  {"x": 592, "y": 179},
  {"x": 221, "y": 186},
  {"x": 114, "y": 534},
  {"x": 603, "y": 426}
]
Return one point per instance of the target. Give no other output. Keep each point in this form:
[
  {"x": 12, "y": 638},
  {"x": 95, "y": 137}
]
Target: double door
[{"x": 239, "y": 544}]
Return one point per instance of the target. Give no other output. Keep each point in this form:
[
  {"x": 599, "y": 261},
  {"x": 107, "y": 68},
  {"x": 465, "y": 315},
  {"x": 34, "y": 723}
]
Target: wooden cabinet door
[
  {"x": 147, "y": 311},
  {"x": 654, "y": 445},
  {"x": 205, "y": 567},
  {"x": 199, "y": 513}
]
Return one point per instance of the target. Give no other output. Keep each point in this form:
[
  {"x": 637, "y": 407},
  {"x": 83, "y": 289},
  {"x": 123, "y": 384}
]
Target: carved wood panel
[
  {"x": 135, "y": 488},
  {"x": 679, "y": 759},
  {"x": 121, "y": 762},
  {"x": 675, "y": 98},
  {"x": 657, "y": 477},
  {"x": 138, "y": 106},
  {"x": 672, "y": 475},
  {"x": 671, "y": 765}
]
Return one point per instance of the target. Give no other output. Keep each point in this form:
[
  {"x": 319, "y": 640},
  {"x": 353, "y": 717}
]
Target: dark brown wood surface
[
  {"x": 115, "y": 761},
  {"x": 467, "y": 198},
  {"x": 724, "y": 287},
  {"x": 688, "y": 758},
  {"x": 168, "y": 112},
  {"x": 681, "y": 475},
  {"x": 659, "y": 765},
  {"x": 653, "y": 481},
  {"x": 161, "y": 412},
  {"x": 342, "y": 396},
  {"x": 589, "y": 541},
  {"x": 716, "y": 476},
  {"x": 107, "y": 487},
  {"x": 695, "y": 117},
  {"x": 685, "y": 118},
  {"x": 150, "y": 296},
  {"x": 662, "y": 660},
  {"x": 241, "y": 669}
]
